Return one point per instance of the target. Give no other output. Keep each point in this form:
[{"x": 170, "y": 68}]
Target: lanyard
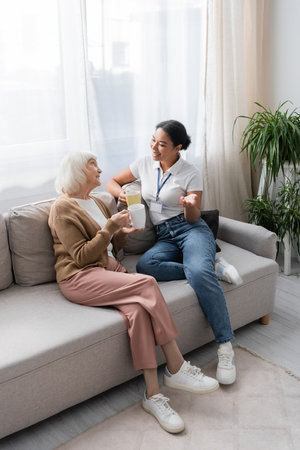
[{"x": 159, "y": 187}]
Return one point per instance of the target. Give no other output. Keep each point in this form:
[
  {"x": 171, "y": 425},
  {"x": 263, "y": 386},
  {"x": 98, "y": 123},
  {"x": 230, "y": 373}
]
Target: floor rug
[{"x": 261, "y": 411}]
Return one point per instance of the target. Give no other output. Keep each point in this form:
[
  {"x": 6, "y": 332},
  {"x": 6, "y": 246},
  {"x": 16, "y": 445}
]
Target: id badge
[{"x": 156, "y": 206}]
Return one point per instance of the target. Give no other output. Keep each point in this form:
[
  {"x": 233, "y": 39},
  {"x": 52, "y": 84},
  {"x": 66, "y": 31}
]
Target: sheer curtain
[
  {"x": 43, "y": 109},
  {"x": 93, "y": 75},
  {"x": 145, "y": 64},
  {"x": 233, "y": 74},
  {"x": 100, "y": 74}
]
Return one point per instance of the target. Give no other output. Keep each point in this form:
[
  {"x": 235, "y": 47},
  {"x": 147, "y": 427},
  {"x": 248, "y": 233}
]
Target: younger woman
[{"x": 185, "y": 247}]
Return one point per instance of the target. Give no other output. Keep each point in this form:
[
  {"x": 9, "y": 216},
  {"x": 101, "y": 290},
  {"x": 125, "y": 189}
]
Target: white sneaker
[
  {"x": 158, "y": 406},
  {"x": 227, "y": 272},
  {"x": 226, "y": 370},
  {"x": 190, "y": 378}
]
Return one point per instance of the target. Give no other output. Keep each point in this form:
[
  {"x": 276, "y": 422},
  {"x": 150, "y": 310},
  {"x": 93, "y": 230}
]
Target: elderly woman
[{"x": 87, "y": 239}]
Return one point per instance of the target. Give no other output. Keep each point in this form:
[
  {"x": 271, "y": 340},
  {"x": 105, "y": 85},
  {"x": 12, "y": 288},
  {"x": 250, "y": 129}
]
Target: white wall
[{"x": 281, "y": 52}]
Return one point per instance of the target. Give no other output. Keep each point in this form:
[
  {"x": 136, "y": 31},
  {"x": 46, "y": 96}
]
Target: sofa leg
[{"x": 265, "y": 320}]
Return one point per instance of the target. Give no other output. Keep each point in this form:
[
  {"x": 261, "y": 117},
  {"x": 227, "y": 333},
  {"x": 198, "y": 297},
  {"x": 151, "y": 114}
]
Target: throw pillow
[{"x": 212, "y": 219}]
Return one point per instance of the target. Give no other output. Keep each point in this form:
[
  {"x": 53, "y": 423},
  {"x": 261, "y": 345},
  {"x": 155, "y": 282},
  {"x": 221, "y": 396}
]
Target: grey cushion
[
  {"x": 6, "y": 276},
  {"x": 140, "y": 241},
  {"x": 31, "y": 241},
  {"x": 53, "y": 327},
  {"x": 108, "y": 199}
]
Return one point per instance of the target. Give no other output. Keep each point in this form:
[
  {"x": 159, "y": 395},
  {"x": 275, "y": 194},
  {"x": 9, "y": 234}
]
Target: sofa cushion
[
  {"x": 51, "y": 326},
  {"x": 211, "y": 217},
  {"x": 31, "y": 241},
  {"x": 6, "y": 276}
]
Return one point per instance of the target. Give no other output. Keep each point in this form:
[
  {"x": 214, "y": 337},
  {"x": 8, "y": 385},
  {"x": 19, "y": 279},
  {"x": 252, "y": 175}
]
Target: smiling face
[
  {"x": 92, "y": 174},
  {"x": 163, "y": 149}
]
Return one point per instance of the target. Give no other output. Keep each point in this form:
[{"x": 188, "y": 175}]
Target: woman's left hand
[
  {"x": 188, "y": 201},
  {"x": 129, "y": 230}
]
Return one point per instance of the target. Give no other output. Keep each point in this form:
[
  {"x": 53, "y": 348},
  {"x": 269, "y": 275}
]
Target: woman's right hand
[
  {"x": 122, "y": 197},
  {"x": 122, "y": 219}
]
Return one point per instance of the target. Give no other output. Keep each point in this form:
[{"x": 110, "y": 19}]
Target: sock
[{"x": 227, "y": 344}]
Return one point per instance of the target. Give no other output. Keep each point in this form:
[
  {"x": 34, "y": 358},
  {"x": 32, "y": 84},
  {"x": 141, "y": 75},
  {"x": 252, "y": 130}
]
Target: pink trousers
[{"x": 136, "y": 296}]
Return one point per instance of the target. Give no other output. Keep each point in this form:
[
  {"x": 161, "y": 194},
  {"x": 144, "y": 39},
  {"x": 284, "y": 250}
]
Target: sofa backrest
[
  {"x": 31, "y": 242},
  {"x": 6, "y": 275}
]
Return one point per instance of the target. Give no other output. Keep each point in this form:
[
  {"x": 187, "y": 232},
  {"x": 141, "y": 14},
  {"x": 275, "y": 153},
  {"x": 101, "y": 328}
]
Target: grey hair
[{"x": 71, "y": 173}]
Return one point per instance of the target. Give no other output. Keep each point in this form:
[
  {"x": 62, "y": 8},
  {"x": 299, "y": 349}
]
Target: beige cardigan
[{"x": 79, "y": 242}]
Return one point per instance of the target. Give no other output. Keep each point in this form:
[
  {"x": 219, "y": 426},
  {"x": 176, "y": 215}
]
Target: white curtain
[
  {"x": 100, "y": 74},
  {"x": 93, "y": 75},
  {"x": 145, "y": 64},
  {"x": 43, "y": 108},
  {"x": 233, "y": 75}
]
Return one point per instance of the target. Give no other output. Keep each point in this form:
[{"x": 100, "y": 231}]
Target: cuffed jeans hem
[{"x": 222, "y": 341}]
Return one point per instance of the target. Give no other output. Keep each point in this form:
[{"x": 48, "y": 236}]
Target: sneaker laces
[
  {"x": 193, "y": 371},
  {"x": 225, "y": 360},
  {"x": 162, "y": 403}
]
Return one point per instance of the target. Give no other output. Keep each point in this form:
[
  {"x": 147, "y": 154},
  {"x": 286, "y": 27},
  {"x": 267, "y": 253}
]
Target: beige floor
[
  {"x": 278, "y": 341},
  {"x": 260, "y": 411}
]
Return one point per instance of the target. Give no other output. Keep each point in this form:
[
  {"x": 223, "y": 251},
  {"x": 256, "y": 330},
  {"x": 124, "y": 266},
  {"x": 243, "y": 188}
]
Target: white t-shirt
[
  {"x": 185, "y": 177},
  {"x": 91, "y": 207}
]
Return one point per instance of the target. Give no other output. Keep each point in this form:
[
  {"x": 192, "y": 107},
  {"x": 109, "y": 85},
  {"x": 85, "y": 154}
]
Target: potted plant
[
  {"x": 262, "y": 211},
  {"x": 281, "y": 215},
  {"x": 272, "y": 139},
  {"x": 287, "y": 206},
  {"x": 272, "y": 142}
]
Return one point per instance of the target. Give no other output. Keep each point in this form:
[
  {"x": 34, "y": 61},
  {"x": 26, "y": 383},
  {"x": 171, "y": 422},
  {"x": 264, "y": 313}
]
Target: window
[
  {"x": 42, "y": 92},
  {"x": 145, "y": 63}
]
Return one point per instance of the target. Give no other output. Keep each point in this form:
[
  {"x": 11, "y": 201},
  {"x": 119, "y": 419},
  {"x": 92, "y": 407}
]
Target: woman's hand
[
  {"x": 122, "y": 197},
  {"x": 189, "y": 201},
  {"x": 122, "y": 219},
  {"x": 192, "y": 205}
]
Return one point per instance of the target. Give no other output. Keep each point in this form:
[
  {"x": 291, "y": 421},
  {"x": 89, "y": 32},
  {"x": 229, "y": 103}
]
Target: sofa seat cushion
[
  {"x": 55, "y": 328},
  {"x": 250, "y": 266},
  {"x": 251, "y": 300},
  {"x": 38, "y": 325}
]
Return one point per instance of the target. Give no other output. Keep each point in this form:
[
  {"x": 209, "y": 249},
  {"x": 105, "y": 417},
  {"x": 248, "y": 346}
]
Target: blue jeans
[{"x": 186, "y": 250}]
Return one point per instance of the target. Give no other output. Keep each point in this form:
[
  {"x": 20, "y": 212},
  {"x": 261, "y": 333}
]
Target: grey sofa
[{"x": 55, "y": 354}]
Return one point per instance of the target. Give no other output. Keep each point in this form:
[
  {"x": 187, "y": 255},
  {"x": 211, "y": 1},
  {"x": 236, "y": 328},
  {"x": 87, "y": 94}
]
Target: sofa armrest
[{"x": 251, "y": 237}]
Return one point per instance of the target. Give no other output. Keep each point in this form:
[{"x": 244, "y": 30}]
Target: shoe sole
[
  {"x": 226, "y": 380},
  {"x": 190, "y": 389},
  {"x": 165, "y": 427}
]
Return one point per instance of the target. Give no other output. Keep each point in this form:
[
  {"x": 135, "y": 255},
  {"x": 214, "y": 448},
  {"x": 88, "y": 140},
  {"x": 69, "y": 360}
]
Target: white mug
[{"x": 138, "y": 215}]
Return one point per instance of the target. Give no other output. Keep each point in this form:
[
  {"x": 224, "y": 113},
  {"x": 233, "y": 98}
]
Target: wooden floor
[{"x": 278, "y": 342}]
